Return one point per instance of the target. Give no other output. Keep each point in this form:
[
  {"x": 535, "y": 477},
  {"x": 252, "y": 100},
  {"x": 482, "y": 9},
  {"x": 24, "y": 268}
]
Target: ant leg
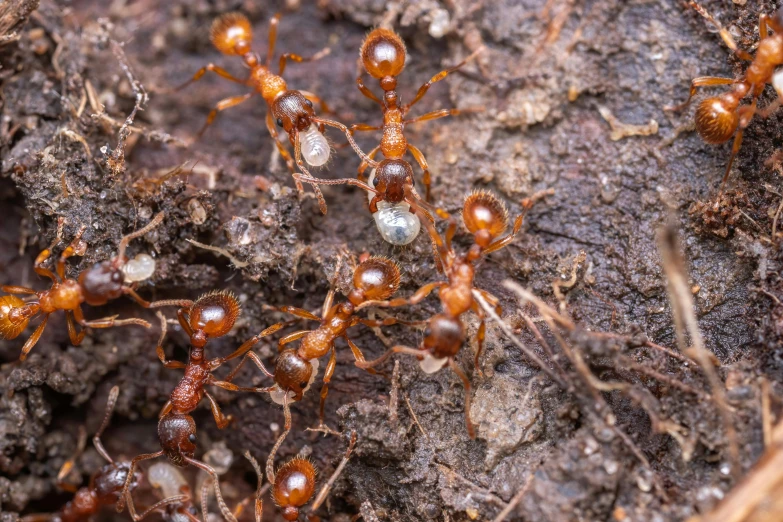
[
  {"x": 441, "y": 113},
  {"x": 322, "y": 427},
  {"x": 114, "y": 393},
  {"x": 325, "y": 109},
  {"x": 724, "y": 33},
  {"x": 367, "y": 92},
  {"x": 213, "y": 68},
  {"x": 220, "y": 419},
  {"x": 466, "y": 384},
  {"x": 222, "y": 105},
  {"x": 166, "y": 409},
  {"x": 438, "y": 77},
  {"x": 329, "y": 483},
  {"x": 300, "y": 59},
  {"x": 350, "y": 139},
  {"x": 270, "y": 460},
  {"x": 76, "y": 247},
  {"x": 107, "y": 322},
  {"x": 480, "y": 336},
  {"x": 225, "y": 511},
  {"x": 364, "y": 365},
  {"x": 292, "y": 337},
  {"x": 270, "y": 52},
  {"x": 42, "y": 257},
  {"x": 363, "y": 166},
  {"x": 76, "y": 337},
  {"x": 389, "y": 321},
  {"x": 243, "y": 349},
  {"x": 159, "y": 349},
  {"x": 184, "y": 321},
  {"x": 422, "y": 161},
  {"x": 357, "y": 354},
  {"x": 746, "y": 113},
  {"x": 252, "y": 356},
  {"x": 327, "y": 306},
  {"x": 28, "y": 345},
  {"x": 500, "y": 243},
  {"x": 701, "y": 81},
  {"x": 18, "y": 290},
  {"x": 130, "y": 292},
  {"x": 155, "y": 507},
  {"x": 299, "y": 312},
  {"x": 68, "y": 465},
  {"x": 125, "y": 494},
  {"x": 416, "y": 298}
]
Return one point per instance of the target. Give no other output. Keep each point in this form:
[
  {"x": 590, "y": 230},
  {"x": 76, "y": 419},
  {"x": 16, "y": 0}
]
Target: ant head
[
  {"x": 110, "y": 480},
  {"x": 11, "y": 322},
  {"x": 102, "y": 283},
  {"x": 485, "y": 216},
  {"x": 383, "y": 54},
  {"x": 717, "y": 119},
  {"x": 376, "y": 278},
  {"x": 293, "y": 112},
  {"x": 292, "y": 373},
  {"x": 213, "y": 314},
  {"x": 443, "y": 336},
  {"x": 390, "y": 178},
  {"x": 232, "y": 34},
  {"x": 294, "y": 486},
  {"x": 177, "y": 434}
]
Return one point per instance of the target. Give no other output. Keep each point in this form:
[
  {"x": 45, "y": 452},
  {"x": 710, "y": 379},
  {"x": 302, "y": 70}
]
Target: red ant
[
  {"x": 291, "y": 110},
  {"x": 486, "y": 218},
  {"x": 377, "y": 278},
  {"x": 105, "y": 485},
  {"x": 294, "y": 483},
  {"x": 212, "y": 315},
  {"x": 718, "y": 118},
  {"x": 95, "y": 286}
]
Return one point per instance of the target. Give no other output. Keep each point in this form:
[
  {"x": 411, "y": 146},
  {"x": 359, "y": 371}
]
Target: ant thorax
[{"x": 396, "y": 223}]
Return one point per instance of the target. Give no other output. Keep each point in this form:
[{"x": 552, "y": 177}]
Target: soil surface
[{"x": 571, "y": 96}]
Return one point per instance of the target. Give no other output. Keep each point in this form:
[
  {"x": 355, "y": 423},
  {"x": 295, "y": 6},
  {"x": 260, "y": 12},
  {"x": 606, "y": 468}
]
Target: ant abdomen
[
  {"x": 294, "y": 486},
  {"x": 177, "y": 434},
  {"x": 215, "y": 313},
  {"x": 231, "y": 34},
  {"x": 716, "y": 120},
  {"x": 11, "y": 323},
  {"x": 485, "y": 216},
  {"x": 378, "y": 278},
  {"x": 383, "y": 53}
]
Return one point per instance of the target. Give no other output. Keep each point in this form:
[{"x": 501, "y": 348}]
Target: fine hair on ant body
[
  {"x": 212, "y": 315},
  {"x": 95, "y": 286},
  {"x": 485, "y": 216},
  {"x": 291, "y": 110},
  {"x": 383, "y": 57},
  {"x": 377, "y": 278},
  {"x": 106, "y": 485},
  {"x": 718, "y": 118}
]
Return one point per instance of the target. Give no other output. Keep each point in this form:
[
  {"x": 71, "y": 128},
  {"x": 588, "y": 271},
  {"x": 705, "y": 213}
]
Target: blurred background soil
[{"x": 560, "y": 81}]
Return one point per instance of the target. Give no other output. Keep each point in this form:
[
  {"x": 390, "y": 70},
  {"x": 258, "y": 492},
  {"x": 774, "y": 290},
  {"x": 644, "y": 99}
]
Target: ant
[
  {"x": 486, "y": 217},
  {"x": 718, "y": 118},
  {"x": 291, "y": 110},
  {"x": 211, "y": 315},
  {"x": 383, "y": 57},
  {"x": 294, "y": 483},
  {"x": 105, "y": 485},
  {"x": 377, "y": 278},
  {"x": 95, "y": 286}
]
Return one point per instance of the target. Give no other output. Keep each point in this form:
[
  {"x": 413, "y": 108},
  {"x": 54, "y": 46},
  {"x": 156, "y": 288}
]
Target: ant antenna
[
  {"x": 138, "y": 233},
  {"x": 96, "y": 440}
]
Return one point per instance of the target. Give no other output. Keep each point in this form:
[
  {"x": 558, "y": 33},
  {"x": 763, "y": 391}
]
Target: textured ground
[{"x": 552, "y": 78}]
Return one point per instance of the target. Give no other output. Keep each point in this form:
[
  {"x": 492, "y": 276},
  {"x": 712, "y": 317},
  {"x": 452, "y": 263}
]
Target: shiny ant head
[
  {"x": 443, "y": 336},
  {"x": 231, "y": 34},
  {"x": 12, "y": 322},
  {"x": 292, "y": 373},
  {"x": 293, "y": 112},
  {"x": 717, "y": 119},
  {"x": 383, "y": 54},
  {"x": 294, "y": 486},
  {"x": 485, "y": 216},
  {"x": 390, "y": 178},
  {"x": 378, "y": 278},
  {"x": 110, "y": 480},
  {"x": 101, "y": 283},
  {"x": 177, "y": 434},
  {"x": 212, "y": 315}
]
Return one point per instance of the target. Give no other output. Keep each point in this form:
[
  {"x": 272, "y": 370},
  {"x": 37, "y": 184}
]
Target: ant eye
[
  {"x": 303, "y": 385},
  {"x": 192, "y": 438},
  {"x": 117, "y": 276},
  {"x": 279, "y": 122},
  {"x": 427, "y": 331},
  {"x": 309, "y": 103},
  {"x": 375, "y": 181}
]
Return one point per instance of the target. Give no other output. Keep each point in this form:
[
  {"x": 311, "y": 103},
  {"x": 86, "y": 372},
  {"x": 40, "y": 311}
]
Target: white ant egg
[
  {"x": 167, "y": 478},
  {"x": 777, "y": 81},
  {"x": 315, "y": 147},
  {"x": 277, "y": 394},
  {"x": 138, "y": 269},
  {"x": 432, "y": 364},
  {"x": 396, "y": 223}
]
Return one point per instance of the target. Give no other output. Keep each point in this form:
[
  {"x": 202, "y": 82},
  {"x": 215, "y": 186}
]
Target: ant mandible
[
  {"x": 105, "y": 485},
  {"x": 377, "y": 278},
  {"x": 291, "y": 110},
  {"x": 95, "y": 286},
  {"x": 718, "y": 118},
  {"x": 212, "y": 315},
  {"x": 383, "y": 57},
  {"x": 485, "y": 216}
]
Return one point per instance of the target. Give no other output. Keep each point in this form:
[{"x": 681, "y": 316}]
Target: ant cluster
[{"x": 399, "y": 213}]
